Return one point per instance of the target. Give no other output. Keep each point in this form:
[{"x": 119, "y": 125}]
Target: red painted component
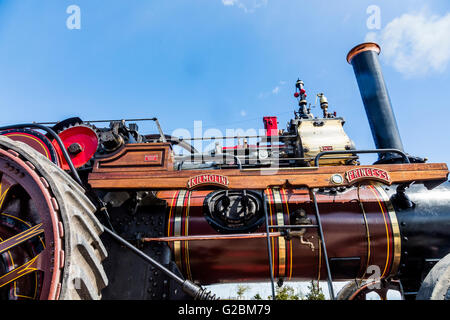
[
  {"x": 296, "y": 94},
  {"x": 302, "y": 91},
  {"x": 251, "y": 146},
  {"x": 85, "y": 137},
  {"x": 34, "y": 139},
  {"x": 271, "y": 126},
  {"x": 151, "y": 158},
  {"x": 240, "y": 147}
]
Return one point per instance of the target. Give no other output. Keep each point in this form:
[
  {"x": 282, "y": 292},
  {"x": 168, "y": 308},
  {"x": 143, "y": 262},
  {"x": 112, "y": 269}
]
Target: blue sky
[{"x": 225, "y": 62}]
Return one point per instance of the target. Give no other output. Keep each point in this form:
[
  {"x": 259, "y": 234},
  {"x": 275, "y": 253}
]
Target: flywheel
[
  {"x": 81, "y": 142},
  {"x": 49, "y": 236}
]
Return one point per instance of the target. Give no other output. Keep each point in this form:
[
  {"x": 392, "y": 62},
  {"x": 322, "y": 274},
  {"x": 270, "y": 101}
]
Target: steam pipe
[{"x": 375, "y": 96}]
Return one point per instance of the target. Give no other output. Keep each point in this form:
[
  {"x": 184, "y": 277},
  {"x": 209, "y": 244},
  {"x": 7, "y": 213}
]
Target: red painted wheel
[
  {"x": 81, "y": 142},
  {"x": 49, "y": 238}
]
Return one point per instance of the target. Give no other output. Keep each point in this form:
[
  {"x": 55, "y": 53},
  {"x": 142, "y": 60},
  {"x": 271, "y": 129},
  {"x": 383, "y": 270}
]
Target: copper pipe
[{"x": 215, "y": 237}]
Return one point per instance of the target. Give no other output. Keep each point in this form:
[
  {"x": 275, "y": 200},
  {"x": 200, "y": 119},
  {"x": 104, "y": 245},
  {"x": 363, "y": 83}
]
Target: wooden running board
[{"x": 431, "y": 175}]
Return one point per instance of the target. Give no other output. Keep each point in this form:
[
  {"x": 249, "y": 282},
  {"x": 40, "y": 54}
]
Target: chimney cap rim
[{"x": 367, "y": 46}]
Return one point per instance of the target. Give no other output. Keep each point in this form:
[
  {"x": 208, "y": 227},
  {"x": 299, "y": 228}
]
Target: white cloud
[
  {"x": 276, "y": 90},
  {"x": 416, "y": 44},
  {"x": 371, "y": 37},
  {"x": 246, "y": 5}
]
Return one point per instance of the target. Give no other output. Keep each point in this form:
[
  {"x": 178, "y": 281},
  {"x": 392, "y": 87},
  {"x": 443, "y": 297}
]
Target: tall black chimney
[{"x": 364, "y": 59}]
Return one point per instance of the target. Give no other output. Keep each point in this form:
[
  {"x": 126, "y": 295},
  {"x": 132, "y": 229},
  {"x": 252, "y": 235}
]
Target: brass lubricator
[{"x": 323, "y": 104}]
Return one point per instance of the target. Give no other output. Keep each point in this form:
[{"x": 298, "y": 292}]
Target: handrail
[
  {"x": 319, "y": 155},
  {"x": 206, "y": 157}
]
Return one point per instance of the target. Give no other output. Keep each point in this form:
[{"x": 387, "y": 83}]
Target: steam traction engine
[{"x": 90, "y": 212}]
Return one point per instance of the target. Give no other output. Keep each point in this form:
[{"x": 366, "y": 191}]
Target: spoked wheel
[
  {"x": 355, "y": 290},
  {"x": 49, "y": 237}
]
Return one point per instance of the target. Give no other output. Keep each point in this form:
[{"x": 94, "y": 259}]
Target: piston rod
[{"x": 229, "y": 237}]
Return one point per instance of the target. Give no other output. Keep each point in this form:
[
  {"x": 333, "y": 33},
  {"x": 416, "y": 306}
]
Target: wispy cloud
[
  {"x": 276, "y": 90},
  {"x": 248, "y": 6},
  {"x": 416, "y": 44}
]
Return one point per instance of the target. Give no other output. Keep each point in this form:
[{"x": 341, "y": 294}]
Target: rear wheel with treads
[
  {"x": 49, "y": 237},
  {"x": 436, "y": 285}
]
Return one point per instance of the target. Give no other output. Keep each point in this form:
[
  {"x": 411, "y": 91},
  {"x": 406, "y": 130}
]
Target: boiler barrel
[{"x": 360, "y": 228}]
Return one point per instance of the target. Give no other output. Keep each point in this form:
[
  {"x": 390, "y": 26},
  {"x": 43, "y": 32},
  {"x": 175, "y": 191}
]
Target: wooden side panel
[
  {"x": 135, "y": 158},
  {"x": 260, "y": 179}
]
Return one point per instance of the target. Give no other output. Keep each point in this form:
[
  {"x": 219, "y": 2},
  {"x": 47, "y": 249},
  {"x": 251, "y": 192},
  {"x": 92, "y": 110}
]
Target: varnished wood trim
[{"x": 312, "y": 178}]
